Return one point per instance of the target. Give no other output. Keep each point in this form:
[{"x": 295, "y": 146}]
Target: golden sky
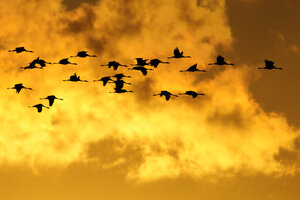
[{"x": 239, "y": 141}]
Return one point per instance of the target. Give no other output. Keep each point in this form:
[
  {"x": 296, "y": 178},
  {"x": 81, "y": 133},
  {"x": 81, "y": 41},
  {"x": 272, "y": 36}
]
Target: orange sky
[{"x": 239, "y": 141}]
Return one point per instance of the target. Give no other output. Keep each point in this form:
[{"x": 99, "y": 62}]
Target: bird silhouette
[
  {"x": 31, "y": 66},
  {"x": 141, "y": 62},
  {"x": 41, "y": 62},
  {"x": 192, "y": 93},
  {"x": 114, "y": 64},
  {"x": 178, "y": 54},
  {"x": 18, "y": 87},
  {"x": 220, "y": 61},
  {"x": 19, "y": 50},
  {"x": 270, "y": 65},
  {"x": 193, "y": 68},
  {"x": 117, "y": 90},
  {"x": 51, "y": 99},
  {"x": 39, "y": 107},
  {"x": 166, "y": 94},
  {"x": 83, "y": 54},
  {"x": 104, "y": 80},
  {"x": 155, "y": 62},
  {"x": 142, "y": 69},
  {"x": 65, "y": 61},
  {"x": 120, "y": 76},
  {"x": 120, "y": 84},
  {"x": 75, "y": 78}
]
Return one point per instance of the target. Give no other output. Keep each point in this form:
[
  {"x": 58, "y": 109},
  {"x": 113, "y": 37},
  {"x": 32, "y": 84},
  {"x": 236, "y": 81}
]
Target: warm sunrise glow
[{"x": 226, "y": 133}]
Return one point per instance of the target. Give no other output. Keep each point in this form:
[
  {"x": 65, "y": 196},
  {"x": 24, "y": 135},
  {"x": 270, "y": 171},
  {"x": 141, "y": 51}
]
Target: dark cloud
[
  {"x": 72, "y": 4},
  {"x": 187, "y": 15},
  {"x": 289, "y": 158},
  {"x": 144, "y": 90},
  {"x": 233, "y": 118},
  {"x": 112, "y": 149},
  {"x": 80, "y": 20}
]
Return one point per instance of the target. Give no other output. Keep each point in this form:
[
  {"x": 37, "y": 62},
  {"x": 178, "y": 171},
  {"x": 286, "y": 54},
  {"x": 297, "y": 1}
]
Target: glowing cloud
[{"x": 226, "y": 130}]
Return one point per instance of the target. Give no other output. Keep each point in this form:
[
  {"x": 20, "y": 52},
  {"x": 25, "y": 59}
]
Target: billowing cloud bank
[{"x": 220, "y": 134}]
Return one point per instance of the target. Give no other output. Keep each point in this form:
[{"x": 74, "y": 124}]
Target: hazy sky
[{"x": 239, "y": 141}]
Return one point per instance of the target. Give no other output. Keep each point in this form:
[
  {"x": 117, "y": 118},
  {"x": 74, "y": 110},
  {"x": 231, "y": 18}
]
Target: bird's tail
[
  {"x": 92, "y": 56},
  {"x": 29, "y": 51},
  {"x": 73, "y": 63}
]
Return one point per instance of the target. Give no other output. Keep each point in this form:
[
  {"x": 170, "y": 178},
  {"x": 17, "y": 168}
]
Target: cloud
[{"x": 226, "y": 130}]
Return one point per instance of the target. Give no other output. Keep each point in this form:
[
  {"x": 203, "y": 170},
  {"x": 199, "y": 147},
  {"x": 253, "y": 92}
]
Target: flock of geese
[{"x": 117, "y": 79}]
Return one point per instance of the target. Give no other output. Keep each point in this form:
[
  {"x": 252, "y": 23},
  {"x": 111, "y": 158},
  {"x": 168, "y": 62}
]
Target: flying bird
[
  {"x": 114, "y": 64},
  {"x": 65, "y": 61},
  {"x": 191, "y": 93},
  {"x": 120, "y": 91},
  {"x": 104, "y": 80},
  {"x": 166, "y": 94},
  {"x": 83, "y": 54},
  {"x": 19, "y": 50},
  {"x": 75, "y": 78},
  {"x": 156, "y": 62},
  {"x": 120, "y": 84},
  {"x": 193, "y": 68},
  {"x": 120, "y": 76},
  {"x": 270, "y": 65},
  {"x": 39, "y": 107},
  {"x": 142, "y": 69},
  {"x": 51, "y": 99},
  {"x": 31, "y": 66},
  {"x": 178, "y": 54},
  {"x": 41, "y": 62},
  {"x": 18, "y": 87},
  {"x": 220, "y": 61},
  {"x": 141, "y": 62}
]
